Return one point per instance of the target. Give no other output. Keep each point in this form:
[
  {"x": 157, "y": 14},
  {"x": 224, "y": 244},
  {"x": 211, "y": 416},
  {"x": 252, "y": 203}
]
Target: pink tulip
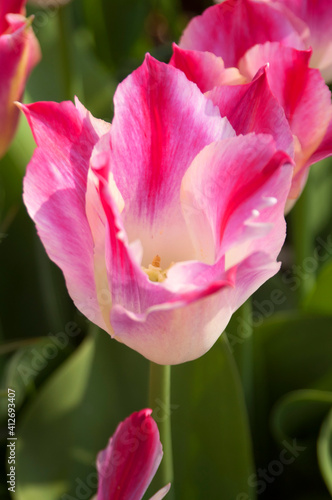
[
  {"x": 232, "y": 27},
  {"x": 317, "y": 15},
  {"x": 128, "y": 464},
  {"x": 241, "y": 44},
  {"x": 19, "y": 53},
  {"x": 165, "y": 223},
  {"x": 305, "y": 98}
]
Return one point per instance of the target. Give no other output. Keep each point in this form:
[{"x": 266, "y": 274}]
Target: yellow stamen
[
  {"x": 156, "y": 261},
  {"x": 154, "y": 271}
]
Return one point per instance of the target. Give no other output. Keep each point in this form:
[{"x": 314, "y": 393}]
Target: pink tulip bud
[{"x": 128, "y": 464}]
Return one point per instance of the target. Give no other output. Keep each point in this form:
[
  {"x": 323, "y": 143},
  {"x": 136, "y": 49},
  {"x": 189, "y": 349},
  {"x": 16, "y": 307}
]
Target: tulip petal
[
  {"x": 9, "y": 7},
  {"x": 230, "y": 28},
  {"x": 204, "y": 68},
  {"x": 19, "y": 53},
  {"x": 171, "y": 335},
  {"x": 161, "y": 493},
  {"x": 318, "y": 16},
  {"x": 180, "y": 319},
  {"x": 143, "y": 313},
  {"x": 325, "y": 147},
  {"x": 131, "y": 287},
  {"x": 253, "y": 108},
  {"x": 54, "y": 193},
  {"x": 161, "y": 122},
  {"x": 254, "y": 179},
  {"x": 302, "y": 93},
  {"x": 131, "y": 459}
]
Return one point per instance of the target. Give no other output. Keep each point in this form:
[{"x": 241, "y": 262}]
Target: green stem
[
  {"x": 160, "y": 403},
  {"x": 245, "y": 356},
  {"x": 65, "y": 53},
  {"x": 302, "y": 241}
]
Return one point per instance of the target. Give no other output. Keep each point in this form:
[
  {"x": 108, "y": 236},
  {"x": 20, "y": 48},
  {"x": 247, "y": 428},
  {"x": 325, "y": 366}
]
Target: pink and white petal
[
  {"x": 97, "y": 222},
  {"x": 128, "y": 464},
  {"x": 253, "y": 108},
  {"x": 161, "y": 493},
  {"x": 251, "y": 273},
  {"x": 204, "y": 68},
  {"x": 129, "y": 285},
  {"x": 324, "y": 150},
  {"x": 231, "y": 28},
  {"x": 161, "y": 122},
  {"x": 180, "y": 319},
  {"x": 300, "y": 90},
  {"x": 253, "y": 177},
  {"x": 174, "y": 333},
  {"x": 188, "y": 331},
  {"x": 54, "y": 193},
  {"x": 174, "y": 321},
  {"x": 95, "y": 124},
  {"x": 94, "y": 210},
  {"x": 19, "y": 53},
  {"x": 318, "y": 16},
  {"x": 137, "y": 301}
]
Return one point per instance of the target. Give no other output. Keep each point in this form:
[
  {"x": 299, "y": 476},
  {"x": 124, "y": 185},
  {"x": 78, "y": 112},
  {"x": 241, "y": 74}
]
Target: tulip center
[{"x": 155, "y": 272}]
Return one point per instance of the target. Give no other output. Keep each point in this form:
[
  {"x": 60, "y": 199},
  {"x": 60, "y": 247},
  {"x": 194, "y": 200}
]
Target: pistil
[{"x": 154, "y": 271}]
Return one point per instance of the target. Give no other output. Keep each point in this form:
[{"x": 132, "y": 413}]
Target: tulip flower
[
  {"x": 232, "y": 27},
  {"x": 164, "y": 223},
  {"x": 221, "y": 48},
  {"x": 128, "y": 464},
  {"x": 19, "y": 53}
]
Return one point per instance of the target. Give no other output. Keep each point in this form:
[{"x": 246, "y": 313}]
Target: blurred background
[{"x": 250, "y": 418}]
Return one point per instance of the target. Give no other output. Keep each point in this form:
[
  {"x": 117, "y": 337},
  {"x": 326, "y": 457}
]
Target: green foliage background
[{"x": 235, "y": 410}]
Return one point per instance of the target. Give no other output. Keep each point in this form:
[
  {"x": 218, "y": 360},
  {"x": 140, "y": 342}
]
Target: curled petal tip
[
  {"x": 162, "y": 493},
  {"x": 19, "y": 105}
]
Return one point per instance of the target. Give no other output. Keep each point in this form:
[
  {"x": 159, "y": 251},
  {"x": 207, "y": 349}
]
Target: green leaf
[
  {"x": 324, "y": 451},
  {"x": 211, "y": 439},
  {"x": 297, "y": 418},
  {"x": 320, "y": 300},
  {"x": 300, "y": 413},
  {"x": 321, "y": 202},
  {"x": 73, "y": 416},
  {"x": 117, "y": 26},
  {"x": 291, "y": 352}
]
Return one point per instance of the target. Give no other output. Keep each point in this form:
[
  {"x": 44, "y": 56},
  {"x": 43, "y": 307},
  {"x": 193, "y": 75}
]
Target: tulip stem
[
  {"x": 160, "y": 403},
  {"x": 245, "y": 356}
]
